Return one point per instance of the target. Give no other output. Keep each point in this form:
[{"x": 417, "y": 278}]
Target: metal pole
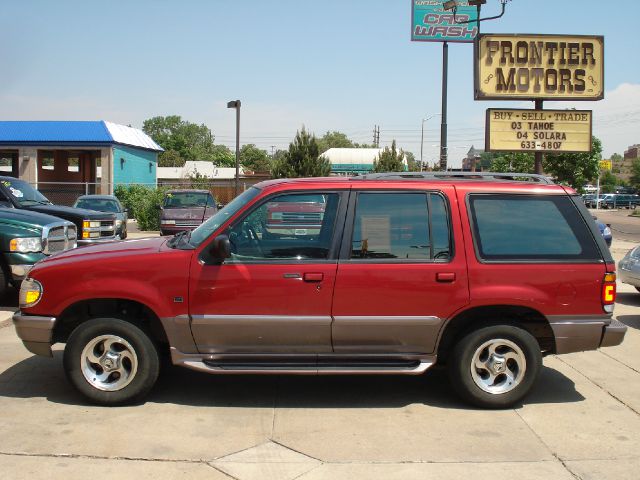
[
  {"x": 538, "y": 155},
  {"x": 443, "y": 125},
  {"x": 421, "y": 144},
  {"x": 237, "y": 182}
]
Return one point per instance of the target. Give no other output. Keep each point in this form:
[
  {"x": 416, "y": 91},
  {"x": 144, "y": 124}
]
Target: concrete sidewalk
[{"x": 581, "y": 421}]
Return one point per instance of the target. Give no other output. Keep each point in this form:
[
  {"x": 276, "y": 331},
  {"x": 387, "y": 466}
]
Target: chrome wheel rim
[
  {"x": 498, "y": 366},
  {"x": 109, "y": 363}
]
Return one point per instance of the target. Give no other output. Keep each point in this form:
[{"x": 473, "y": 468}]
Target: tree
[
  {"x": 180, "y": 139},
  {"x": 575, "y": 169},
  {"x": 635, "y": 173},
  {"x": 254, "y": 159},
  {"x": 389, "y": 160},
  {"x": 412, "y": 163},
  {"x": 334, "y": 140},
  {"x": 221, "y": 156},
  {"x": 608, "y": 182},
  {"x": 302, "y": 159},
  {"x": 517, "y": 162}
]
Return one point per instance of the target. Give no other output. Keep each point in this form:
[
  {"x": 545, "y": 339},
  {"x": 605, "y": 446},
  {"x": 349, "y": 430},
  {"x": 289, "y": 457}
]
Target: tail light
[{"x": 609, "y": 292}]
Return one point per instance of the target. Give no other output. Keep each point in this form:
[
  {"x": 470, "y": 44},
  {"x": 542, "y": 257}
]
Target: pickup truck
[
  {"x": 28, "y": 237},
  {"x": 92, "y": 226}
]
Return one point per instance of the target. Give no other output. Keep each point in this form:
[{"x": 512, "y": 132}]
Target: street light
[
  {"x": 236, "y": 104},
  {"x": 422, "y": 135}
]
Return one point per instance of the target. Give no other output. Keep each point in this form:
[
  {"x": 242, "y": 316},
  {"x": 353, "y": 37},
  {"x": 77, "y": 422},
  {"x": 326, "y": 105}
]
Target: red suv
[{"x": 485, "y": 273}]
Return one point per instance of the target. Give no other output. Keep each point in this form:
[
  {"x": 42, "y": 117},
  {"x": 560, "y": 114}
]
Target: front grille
[
  {"x": 107, "y": 229},
  {"x": 58, "y": 237},
  {"x": 187, "y": 223},
  {"x": 301, "y": 217}
]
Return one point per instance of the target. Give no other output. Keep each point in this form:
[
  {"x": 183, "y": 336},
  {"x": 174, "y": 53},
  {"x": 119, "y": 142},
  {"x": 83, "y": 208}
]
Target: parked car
[
  {"x": 106, "y": 203},
  {"x": 619, "y": 200},
  {"x": 630, "y": 268},
  {"x": 185, "y": 210},
  {"x": 92, "y": 226},
  {"x": 590, "y": 200},
  {"x": 605, "y": 231},
  {"x": 28, "y": 237},
  {"x": 480, "y": 272}
]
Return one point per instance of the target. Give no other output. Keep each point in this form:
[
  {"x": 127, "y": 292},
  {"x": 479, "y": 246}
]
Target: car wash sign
[
  {"x": 530, "y": 67},
  {"x": 432, "y": 23}
]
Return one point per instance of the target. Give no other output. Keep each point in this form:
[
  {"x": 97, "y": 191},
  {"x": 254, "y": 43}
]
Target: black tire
[
  {"x": 4, "y": 280},
  {"x": 130, "y": 343},
  {"x": 462, "y": 357}
]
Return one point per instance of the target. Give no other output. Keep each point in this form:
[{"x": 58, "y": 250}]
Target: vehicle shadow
[
  {"x": 632, "y": 321},
  {"x": 43, "y": 377},
  {"x": 631, "y": 299},
  {"x": 9, "y": 300}
]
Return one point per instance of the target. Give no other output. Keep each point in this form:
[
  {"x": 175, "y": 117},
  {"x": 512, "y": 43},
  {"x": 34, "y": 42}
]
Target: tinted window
[
  {"x": 528, "y": 227},
  {"x": 396, "y": 226},
  {"x": 286, "y": 227}
]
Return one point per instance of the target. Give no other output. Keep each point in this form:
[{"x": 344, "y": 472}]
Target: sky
[{"x": 344, "y": 65}]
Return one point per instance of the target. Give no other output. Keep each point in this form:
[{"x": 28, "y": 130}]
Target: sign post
[{"x": 430, "y": 22}]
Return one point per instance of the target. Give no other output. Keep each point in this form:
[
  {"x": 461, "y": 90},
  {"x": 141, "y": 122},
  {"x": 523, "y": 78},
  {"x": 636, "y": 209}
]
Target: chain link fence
[{"x": 66, "y": 193}]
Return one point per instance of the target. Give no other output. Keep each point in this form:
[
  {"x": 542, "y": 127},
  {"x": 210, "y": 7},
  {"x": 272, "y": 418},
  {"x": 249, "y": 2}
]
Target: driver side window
[{"x": 296, "y": 226}]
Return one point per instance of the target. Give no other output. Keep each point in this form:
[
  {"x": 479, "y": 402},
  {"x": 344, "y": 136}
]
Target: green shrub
[{"x": 143, "y": 204}]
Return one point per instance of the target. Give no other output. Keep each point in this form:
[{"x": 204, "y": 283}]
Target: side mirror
[
  {"x": 219, "y": 205},
  {"x": 221, "y": 247}
]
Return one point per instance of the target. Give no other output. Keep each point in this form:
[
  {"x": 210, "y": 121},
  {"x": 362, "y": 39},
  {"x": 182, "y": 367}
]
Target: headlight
[
  {"x": 25, "y": 245},
  {"x": 168, "y": 222},
  {"x": 30, "y": 293},
  {"x": 118, "y": 223},
  {"x": 86, "y": 224}
]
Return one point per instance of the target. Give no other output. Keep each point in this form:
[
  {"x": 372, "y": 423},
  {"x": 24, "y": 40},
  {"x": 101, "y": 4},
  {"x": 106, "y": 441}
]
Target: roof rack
[{"x": 495, "y": 176}]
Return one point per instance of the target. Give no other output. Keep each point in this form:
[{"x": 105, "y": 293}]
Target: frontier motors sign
[
  {"x": 432, "y": 23},
  {"x": 510, "y": 130},
  {"x": 529, "y": 67}
]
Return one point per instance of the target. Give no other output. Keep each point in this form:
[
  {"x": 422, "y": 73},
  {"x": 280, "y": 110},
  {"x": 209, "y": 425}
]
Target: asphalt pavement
[{"x": 582, "y": 421}]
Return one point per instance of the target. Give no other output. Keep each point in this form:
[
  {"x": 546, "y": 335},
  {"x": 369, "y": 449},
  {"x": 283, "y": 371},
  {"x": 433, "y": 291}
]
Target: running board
[{"x": 321, "y": 368}]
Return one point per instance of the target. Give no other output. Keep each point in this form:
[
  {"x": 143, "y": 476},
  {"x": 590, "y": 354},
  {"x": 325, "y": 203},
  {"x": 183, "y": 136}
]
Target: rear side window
[
  {"x": 402, "y": 226},
  {"x": 530, "y": 227}
]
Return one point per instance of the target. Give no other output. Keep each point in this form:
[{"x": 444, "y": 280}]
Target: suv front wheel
[
  {"x": 495, "y": 366},
  {"x": 110, "y": 361}
]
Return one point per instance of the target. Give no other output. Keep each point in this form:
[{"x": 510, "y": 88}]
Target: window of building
[{"x": 47, "y": 160}]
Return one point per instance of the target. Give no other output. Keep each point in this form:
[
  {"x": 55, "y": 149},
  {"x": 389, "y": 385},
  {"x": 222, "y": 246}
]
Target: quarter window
[
  {"x": 286, "y": 227},
  {"x": 529, "y": 227},
  {"x": 403, "y": 226}
]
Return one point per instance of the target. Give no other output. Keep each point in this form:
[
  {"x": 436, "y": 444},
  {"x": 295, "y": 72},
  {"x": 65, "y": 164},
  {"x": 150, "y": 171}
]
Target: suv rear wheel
[
  {"x": 110, "y": 361},
  {"x": 495, "y": 366}
]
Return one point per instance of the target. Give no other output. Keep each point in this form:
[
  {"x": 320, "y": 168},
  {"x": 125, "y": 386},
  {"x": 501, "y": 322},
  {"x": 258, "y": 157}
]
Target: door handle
[
  {"x": 313, "y": 277},
  {"x": 445, "y": 277}
]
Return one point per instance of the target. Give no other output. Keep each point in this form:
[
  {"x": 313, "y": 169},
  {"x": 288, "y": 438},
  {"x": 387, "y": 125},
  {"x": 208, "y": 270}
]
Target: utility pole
[
  {"x": 376, "y": 136},
  {"x": 272, "y": 147}
]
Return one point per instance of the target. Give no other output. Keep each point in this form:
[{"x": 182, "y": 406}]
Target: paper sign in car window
[
  {"x": 16, "y": 193},
  {"x": 376, "y": 233}
]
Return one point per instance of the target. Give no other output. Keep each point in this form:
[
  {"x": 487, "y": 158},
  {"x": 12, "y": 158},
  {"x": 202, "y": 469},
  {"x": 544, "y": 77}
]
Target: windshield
[
  {"x": 99, "y": 204},
  {"x": 187, "y": 200},
  {"x": 201, "y": 233},
  {"x": 23, "y": 193}
]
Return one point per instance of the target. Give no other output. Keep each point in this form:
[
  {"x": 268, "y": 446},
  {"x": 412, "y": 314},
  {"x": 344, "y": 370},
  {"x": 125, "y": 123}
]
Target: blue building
[{"x": 90, "y": 157}]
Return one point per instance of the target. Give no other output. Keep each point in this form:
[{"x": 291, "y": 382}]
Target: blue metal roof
[{"x": 73, "y": 132}]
